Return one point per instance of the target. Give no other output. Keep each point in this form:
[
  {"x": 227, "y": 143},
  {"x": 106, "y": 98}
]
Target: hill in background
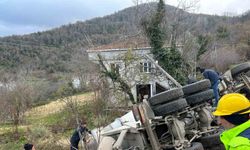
[{"x": 56, "y": 50}]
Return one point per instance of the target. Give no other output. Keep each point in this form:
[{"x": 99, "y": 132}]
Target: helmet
[{"x": 233, "y": 103}]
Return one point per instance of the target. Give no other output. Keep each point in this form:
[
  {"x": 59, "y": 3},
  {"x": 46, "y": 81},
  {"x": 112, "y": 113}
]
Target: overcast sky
[{"x": 27, "y": 16}]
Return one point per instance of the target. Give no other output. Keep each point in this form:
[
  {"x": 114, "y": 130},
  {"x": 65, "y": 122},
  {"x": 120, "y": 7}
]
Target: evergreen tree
[{"x": 169, "y": 59}]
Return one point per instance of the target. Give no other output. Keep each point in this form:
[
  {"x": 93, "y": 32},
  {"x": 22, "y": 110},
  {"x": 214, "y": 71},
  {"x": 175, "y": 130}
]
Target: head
[
  {"x": 233, "y": 109},
  {"x": 231, "y": 121},
  {"x": 83, "y": 123},
  {"x": 28, "y": 146},
  {"x": 199, "y": 69}
]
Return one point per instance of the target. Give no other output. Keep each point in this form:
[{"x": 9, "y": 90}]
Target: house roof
[
  {"x": 124, "y": 43},
  {"x": 136, "y": 42}
]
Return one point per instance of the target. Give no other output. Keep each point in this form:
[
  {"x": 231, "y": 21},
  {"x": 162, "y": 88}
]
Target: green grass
[
  {"x": 9, "y": 141},
  {"x": 46, "y": 130},
  {"x": 12, "y": 146}
]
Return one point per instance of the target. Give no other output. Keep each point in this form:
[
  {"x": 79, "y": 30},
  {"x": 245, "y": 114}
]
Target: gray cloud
[
  {"x": 219, "y": 7},
  {"x": 53, "y": 12},
  {"x": 26, "y": 16}
]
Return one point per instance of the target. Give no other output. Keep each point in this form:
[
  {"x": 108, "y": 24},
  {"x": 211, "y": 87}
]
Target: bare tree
[
  {"x": 16, "y": 98},
  {"x": 190, "y": 54}
]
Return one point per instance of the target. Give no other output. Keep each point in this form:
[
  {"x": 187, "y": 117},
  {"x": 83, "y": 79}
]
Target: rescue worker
[
  {"x": 214, "y": 78},
  {"x": 233, "y": 114},
  {"x": 76, "y": 136}
]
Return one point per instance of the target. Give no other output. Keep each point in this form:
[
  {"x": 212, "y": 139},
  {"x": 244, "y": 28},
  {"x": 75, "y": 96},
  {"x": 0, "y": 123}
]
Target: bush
[{"x": 38, "y": 132}]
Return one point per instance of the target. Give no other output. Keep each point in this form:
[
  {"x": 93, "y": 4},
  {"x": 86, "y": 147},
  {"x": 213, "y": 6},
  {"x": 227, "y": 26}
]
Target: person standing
[
  {"x": 233, "y": 114},
  {"x": 214, "y": 78},
  {"x": 77, "y": 134}
]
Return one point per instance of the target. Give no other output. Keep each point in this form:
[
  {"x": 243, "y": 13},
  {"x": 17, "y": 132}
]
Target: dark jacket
[
  {"x": 75, "y": 137},
  {"x": 211, "y": 75}
]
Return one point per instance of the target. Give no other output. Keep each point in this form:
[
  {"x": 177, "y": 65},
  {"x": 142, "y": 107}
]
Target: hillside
[
  {"x": 50, "y": 126},
  {"x": 54, "y": 50},
  {"x": 42, "y": 125}
]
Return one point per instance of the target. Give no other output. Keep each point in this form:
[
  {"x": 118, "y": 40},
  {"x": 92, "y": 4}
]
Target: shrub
[{"x": 38, "y": 132}]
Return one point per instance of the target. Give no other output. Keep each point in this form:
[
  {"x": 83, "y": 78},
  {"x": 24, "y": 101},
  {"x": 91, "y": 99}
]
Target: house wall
[{"x": 132, "y": 74}]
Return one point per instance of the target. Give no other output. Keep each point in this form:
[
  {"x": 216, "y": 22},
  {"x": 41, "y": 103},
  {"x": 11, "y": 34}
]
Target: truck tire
[
  {"x": 216, "y": 147},
  {"x": 242, "y": 68},
  {"x": 196, "y": 87},
  {"x": 171, "y": 107},
  {"x": 248, "y": 73},
  {"x": 195, "y": 146},
  {"x": 212, "y": 141},
  {"x": 166, "y": 96},
  {"x": 200, "y": 97}
]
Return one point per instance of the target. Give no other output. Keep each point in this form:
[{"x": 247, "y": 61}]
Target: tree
[
  {"x": 222, "y": 32},
  {"x": 190, "y": 54},
  {"x": 16, "y": 98},
  {"x": 116, "y": 79},
  {"x": 169, "y": 58},
  {"x": 203, "y": 41}
]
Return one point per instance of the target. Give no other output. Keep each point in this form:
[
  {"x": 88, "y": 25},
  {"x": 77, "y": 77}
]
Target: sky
[{"x": 18, "y": 17}]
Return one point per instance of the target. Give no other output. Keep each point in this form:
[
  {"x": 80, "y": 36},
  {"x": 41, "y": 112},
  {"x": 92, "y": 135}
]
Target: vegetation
[
  {"x": 51, "y": 125},
  {"x": 40, "y": 67},
  {"x": 117, "y": 79},
  {"x": 169, "y": 58}
]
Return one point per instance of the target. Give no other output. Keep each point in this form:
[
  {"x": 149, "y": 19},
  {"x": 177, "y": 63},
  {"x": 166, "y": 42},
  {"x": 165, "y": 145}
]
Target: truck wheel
[
  {"x": 248, "y": 73},
  {"x": 216, "y": 147},
  {"x": 196, "y": 87},
  {"x": 211, "y": 141},
  {"x": 195, "y": 146},
  {"x": 166, "y": 96},
  {"x": 170, "y": 107},
  {"x": 200, "y": 97},
  {"x": 245, "y": 67}
]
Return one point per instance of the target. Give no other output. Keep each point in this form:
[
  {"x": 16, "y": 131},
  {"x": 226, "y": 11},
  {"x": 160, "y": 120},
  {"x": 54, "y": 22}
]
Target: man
[
  {"x": 214, "y": 78},
  {"x": 28, "y": 146},
  {"x": 233, "y": 114},
  {"x": 78, "y": 133}
]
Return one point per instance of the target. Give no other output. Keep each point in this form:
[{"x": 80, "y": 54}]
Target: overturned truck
[{"x": 177, "y": 119}]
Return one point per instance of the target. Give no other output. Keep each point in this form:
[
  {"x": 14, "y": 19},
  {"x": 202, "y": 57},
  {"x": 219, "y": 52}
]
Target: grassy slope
[{"x": 38, "y": 127}]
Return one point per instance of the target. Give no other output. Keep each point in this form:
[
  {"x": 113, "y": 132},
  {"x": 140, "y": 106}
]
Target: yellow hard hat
[{"x": 233, "y": 103}]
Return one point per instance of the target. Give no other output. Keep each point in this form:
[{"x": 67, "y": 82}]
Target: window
[{"x": 146, "y": 67}]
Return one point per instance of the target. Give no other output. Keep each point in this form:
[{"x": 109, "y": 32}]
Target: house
[{"x": 137, "y": 68}]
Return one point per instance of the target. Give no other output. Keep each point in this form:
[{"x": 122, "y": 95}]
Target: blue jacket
[{"x": 211, "y": 75}]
